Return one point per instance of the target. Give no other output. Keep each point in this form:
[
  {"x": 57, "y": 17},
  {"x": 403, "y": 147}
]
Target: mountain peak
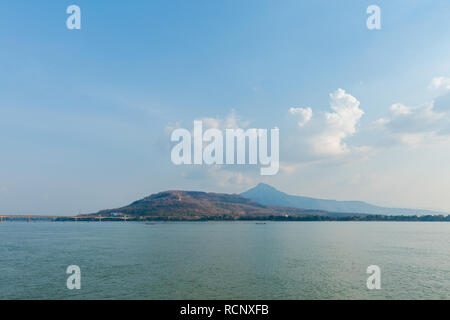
[
  {"x": 268, "y": 195},
  {"x": 264, "y": 186}
]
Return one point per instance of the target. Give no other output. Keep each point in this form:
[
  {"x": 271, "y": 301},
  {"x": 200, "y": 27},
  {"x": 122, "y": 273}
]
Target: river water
[{"x": 224, "y": 260}]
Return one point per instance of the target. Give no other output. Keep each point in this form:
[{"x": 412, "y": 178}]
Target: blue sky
[{"x": 84, "y": 113}]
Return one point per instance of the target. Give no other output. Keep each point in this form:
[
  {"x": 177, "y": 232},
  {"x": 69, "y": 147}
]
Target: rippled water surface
[{"x": 224, "y": 260}]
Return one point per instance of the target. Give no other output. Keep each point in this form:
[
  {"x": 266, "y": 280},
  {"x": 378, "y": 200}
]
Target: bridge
[{"x": 30, "y": 218}]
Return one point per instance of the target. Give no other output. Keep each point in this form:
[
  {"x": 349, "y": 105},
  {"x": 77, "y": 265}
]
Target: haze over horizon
[
  {"x": 328, "y": 205},
  {"x": 85, "y": 115}
]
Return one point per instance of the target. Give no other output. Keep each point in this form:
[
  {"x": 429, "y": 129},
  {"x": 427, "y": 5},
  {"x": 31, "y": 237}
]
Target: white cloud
[
  {"x": 440, "y": 82},
  {"x": 380, "y": 123},
  {"x": 325, "y": 135},
  {"x": 412, "y": 139},
  {"x": 222, "y": 176},
  {"x": 420, "y": 118},
  {"x": 228, "y": 178},
  {"x": 339, "y": 124},
  {"x": 304, "y": 115},
  {"x": 400, "y": 109},
  {"x": 232, "y": 121},
  {"x": 413, "y": 126}
]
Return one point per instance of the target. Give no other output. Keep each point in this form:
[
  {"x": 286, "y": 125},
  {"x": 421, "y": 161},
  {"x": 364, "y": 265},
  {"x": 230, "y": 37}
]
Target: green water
[{"x": 225, "y": 260}]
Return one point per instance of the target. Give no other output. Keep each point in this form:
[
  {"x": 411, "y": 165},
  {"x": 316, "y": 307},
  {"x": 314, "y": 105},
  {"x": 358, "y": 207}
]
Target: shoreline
[{"x": 374, "y": 218}]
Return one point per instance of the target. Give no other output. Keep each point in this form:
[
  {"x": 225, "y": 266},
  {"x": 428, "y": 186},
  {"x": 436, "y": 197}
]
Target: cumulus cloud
[
  {"x": 325, "y": 135},
  {"x": 304, "y": 115},
  {"x": 339, "y": 125},
  {"x": 413, "y": 125},
  {"x": 439, "y": 83},
  {"x": 412, "y": 119}
]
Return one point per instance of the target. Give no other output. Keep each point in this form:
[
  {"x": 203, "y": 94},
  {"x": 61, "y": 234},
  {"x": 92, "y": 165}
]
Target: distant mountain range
[
  {"x": 191, "y": 205},
  {"x": 260, "y": 202},
  {"x": 268, "y": 195}
]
